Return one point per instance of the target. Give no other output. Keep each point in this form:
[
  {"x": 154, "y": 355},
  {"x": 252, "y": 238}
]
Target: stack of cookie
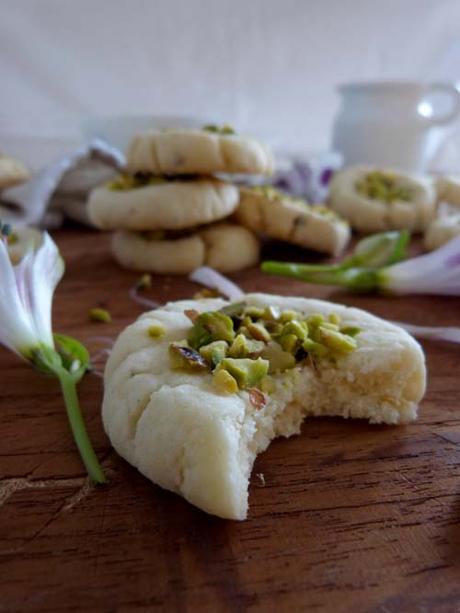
[{"x": 169, "y": 209}]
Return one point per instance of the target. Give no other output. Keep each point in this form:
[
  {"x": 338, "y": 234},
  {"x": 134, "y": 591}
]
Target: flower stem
[{"x": 77, "y": 424}]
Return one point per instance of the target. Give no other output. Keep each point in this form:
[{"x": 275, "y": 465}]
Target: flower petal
[
  {"x": 46, "y": 272},
  {"x": 17, "y": 329},
  {"x": 437, "y": 272}
]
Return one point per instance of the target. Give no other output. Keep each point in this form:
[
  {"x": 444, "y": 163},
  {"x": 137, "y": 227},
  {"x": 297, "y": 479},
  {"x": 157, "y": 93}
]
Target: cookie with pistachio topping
[
  {"x": 373, "y": 200},
  {"x": 12, "y": 172},
  {"x": 444, "y": 228},
  {"x": 211, "y": 150},
  {"x": 224, "y": 246},
  {"x": 150, "y": 202},
  {"x": 268, "y": 211},
  {"x": 191, "y": 408}
]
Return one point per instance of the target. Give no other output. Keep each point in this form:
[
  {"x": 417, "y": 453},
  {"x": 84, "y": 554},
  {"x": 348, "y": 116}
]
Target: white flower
[
  {"x": 437, "y": 272},
  {"x": 30, "y": 269}
]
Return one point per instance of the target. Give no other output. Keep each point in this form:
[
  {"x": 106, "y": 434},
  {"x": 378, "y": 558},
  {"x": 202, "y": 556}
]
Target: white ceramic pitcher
[{"x": 393, "y": 123}]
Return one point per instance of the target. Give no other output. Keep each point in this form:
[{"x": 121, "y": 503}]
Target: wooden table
[{"x": 348, "y": 517}]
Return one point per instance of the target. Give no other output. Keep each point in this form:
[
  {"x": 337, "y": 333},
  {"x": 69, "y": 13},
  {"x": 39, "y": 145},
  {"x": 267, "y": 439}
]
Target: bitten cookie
[
  {"x": 223, "y": 246},
  {"x": 444, "y": 228},
  {"x": 374, "y": 200},
  {"x": 194, "y": 390},
  {"x": 198, "y": 151},
  {"x": 166, "y": 205},
  {"x": 12, "y": 172},
  {"x": 266, "y": 210}
]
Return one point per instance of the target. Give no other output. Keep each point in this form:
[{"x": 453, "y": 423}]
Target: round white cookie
[
  {"x": 443, "y": 229},
  {"x": 170, "y": 205},
  {"x": 187, "y": 437},
  {"x": 374, "y": 200},
  {"x": 197, "y": 151},
  {"x": 223, "y": 246},
  {"x": 449, "y": 189},
  {"x": 268, "y": 211},
  {"x": 12, "y": 172}
]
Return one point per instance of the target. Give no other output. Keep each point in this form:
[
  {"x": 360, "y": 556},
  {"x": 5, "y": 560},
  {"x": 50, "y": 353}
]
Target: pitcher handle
[{"x": 450, "y": 116}]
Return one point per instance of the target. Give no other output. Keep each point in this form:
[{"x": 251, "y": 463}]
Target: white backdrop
[{"x": 267, "y": 66}]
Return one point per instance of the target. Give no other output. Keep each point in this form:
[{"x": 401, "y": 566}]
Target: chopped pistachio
[
  {"x": 267, "y": 385},
  {"x": 279, "y": 359},
  {"x": 224, "y": 129},
  {"x": 289, "y": 315},
  {"x": 233, "y": 310},
  {"x": 182, "y": 357},
  {"x": 254, "y": 312},
  {"x": 384, "y": 186},
  {"x": 100, "y": 315},
  {"x": 243, "y": 347},
  {"x": 316, "y": 319},
  {"x": 296, "y": 328},
  {"x": 289, "y": 342},
  {"x": 259, "y": 332},
  {"x": 329, "y": 326},
  {"x": 206, "y": 292},
  {"x": 334, "y": 318},
  {"x": 341, "y": 343},
  {"x": 125, "y": 182},
  {"x": 211, "y": 326},
  {"x": 350, "y": 330},
  {"x": 156, "y": 330},
  {"x": 224, "y": 383},
  {"x": 272, "y": 313},
  {"x": 144, "y": 281},
  {"x": 215, "y": 352},
  {"x": 314, "y": 348},
  {"x": 247, "y": 372}
]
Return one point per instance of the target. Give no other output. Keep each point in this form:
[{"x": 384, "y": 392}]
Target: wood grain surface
[{"x": 345, "y": 517}]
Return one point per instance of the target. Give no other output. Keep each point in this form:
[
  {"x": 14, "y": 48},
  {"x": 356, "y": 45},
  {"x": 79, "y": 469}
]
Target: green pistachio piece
[
  {"x": 279, "y": 359},
  {"x": 211, "y": 326},
  {"x": 336, "y": 341},
  {"x": 156, "y": 330},
  {"x": 330, "y": 326},
  {"x": 247, "y": 372},
  {"x": 243, "y": 347},
  {"x": 271, "y": 313},
  {"x": 314, "y": 348},
  {"x": 182, "y": 357},
  {"x": 289, "y": 342},
  {"x": 316, "y": 319},
  {"x": 253, "y": 312},
  {"x": 383, "y": 186},
  {"x": 334, "y": 318},
  {"x": 225, "y": 129},
  {"x": 267, "y": 385},
  {"x": 224, "y": 383},
  {"x": 215, "y": 352},
  {"x": 298, "y": 329},
  {"x": 350, "y": 330},
  {"x": 233, "y": 310},
  {"x": 259, "y": 332},
  {"x": 100, "y": 315},
  {"x": 289, "y": 315}
]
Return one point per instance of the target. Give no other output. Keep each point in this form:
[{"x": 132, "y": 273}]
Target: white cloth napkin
[{"x": 61, "y": 189}]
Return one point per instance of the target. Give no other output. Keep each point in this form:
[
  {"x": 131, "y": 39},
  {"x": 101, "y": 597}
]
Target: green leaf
[{"x": 74, "y": 355}]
